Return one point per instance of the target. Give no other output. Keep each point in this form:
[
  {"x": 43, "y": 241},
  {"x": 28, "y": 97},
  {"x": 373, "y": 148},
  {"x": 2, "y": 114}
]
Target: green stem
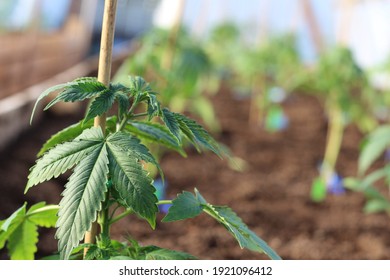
[
  {"x": 140, "y": 115},
  {"x": 257, "y": 102},
  {"x": 334, "y": 140},
  {"x": 104, "y": 220},
  {"x": 129, "y": 211},
  {"x": 121, "y": 216},
  {"x": 161, "y": 202},
  {"x": 128, "y": 116}
]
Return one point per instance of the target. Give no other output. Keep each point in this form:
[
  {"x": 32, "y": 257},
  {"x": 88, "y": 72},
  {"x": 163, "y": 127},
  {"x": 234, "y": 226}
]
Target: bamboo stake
[{"x": 104, "y": 75}]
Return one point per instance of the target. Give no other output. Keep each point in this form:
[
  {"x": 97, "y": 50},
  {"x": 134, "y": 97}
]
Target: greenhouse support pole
[
  {"x": 104, "y": 75},
  {"x": 169, "y": 54}
]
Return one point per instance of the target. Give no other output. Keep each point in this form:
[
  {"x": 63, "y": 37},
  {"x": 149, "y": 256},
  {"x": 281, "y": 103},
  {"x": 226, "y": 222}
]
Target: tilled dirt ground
[{"x": 271, "y": 195}]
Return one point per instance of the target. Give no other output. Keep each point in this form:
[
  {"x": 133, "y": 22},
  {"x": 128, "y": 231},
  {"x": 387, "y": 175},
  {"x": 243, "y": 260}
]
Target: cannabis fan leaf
[
  {"x": 188, "y": 205},
  {"x": 82, "y": 199}
]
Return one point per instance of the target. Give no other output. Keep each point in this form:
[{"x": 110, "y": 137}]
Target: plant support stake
[{"x": 104, "y": 75}]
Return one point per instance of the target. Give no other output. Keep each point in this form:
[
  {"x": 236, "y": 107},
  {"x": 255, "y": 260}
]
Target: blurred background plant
[
  {"x": 348, "y": 98},
  {"x": 180, "y": 68}
]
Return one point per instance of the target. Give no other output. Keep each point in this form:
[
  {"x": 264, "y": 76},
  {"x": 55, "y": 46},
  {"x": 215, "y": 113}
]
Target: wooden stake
[
  {"x": 170, "y": 51},
  {"x": 104, "y": 76}
]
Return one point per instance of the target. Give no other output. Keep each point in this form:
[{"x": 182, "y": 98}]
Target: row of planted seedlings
[
  {"x": 269, "y": 71},
  {"x": 109, "y": 153},
  {"x": 349, "y": 99}
]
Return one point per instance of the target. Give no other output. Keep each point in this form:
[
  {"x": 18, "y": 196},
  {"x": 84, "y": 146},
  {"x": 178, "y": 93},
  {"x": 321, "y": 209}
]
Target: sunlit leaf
[
  {"x": 79, "y": 90},
  {"x": 82, "y": 199},
  {"x": 100, "y": 105},
  {"x": 11, "y": 224},
  {"x": 185, "y": 206},
  {"x": 188, "y": 205},
  {"x": 376, "y": 144},
  {"x": 132, "y": 183},
  {"x": 22, "y": 243},
  {"x": 155, "y": 133},
  {"x": 64, "y": 156}
]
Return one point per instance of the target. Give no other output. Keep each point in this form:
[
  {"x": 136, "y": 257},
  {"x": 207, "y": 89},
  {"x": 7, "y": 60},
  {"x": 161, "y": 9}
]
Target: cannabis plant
[
  {"x": 275, "y": 63},
  {"x": 108, "y": 174},
  {"x": 349, "y": 98}
]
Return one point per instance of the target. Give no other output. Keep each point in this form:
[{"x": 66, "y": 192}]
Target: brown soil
[{"x": 271, "y": 195}]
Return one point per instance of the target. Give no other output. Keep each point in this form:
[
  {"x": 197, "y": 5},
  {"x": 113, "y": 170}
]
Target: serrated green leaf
[
  {"x": 172, "y": 124},
  {"x": 43, "y": 216},
  {"x": 22, "y": 242},
  {"x": 200, "y": 198},
  {"x": 245, "y": 237},
  {"x": 82, "y": 199},
  {"x": 132, "y": 183},
  {"x": 124, "y": 103},
  {"x": 64, "y": 156},
  {"x": 46, "y": 93},
  {"x": 138, "y": 84},
  {"x": 100, "y": 105},
  {"x": 376, "y": 144},
  {"x": 119, "y": 88},
  {"x": 92, "y": 253},
  {"x": 79, "y": 90},
  {"x": 10, "y": 224},
  {"x": 197, "y": 134},
  {"x": 185, "y": 206},
  {"x": 156, "y": 253},
  {"x": 85, "y": 80},
  {"x": 67, "y": 134},
  {"x": 133, "y": 147},
  {"x": 154, "y": 108},
  {"x": 122, "y": 258},
  {"x": 156, "y": 133}
]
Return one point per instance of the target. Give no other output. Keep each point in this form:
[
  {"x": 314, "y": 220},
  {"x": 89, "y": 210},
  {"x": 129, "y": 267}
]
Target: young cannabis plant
[
  {"x": 349, "y": 98},
  {"x": 108, "y": 166}
]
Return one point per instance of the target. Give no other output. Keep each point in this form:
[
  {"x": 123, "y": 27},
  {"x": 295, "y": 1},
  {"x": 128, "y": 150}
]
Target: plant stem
[
  {"x": 334, "y": 139},
  {"x": 164, "y": 202},
  {"x": 129, "y": 211},
  {"x": 128, "y": 116},
  {"x": 257, "y": 102},
  {"x": 104, "y": 217},
  {"x": 104, "y": 75},
  {"x": 121, "y": 216}
]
